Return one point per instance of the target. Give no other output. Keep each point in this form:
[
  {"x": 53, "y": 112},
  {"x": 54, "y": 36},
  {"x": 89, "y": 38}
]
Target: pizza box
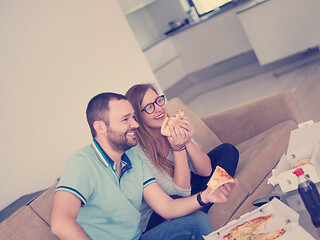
[
  {"x": 284, "y": 217},
  {"x": 306, "y": 135},
  {"x": 283, "y": 174}
]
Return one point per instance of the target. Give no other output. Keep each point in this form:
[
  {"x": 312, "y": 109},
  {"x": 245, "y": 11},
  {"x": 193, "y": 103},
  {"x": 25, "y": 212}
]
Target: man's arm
[
  {"x": 170, "y": 208},
  {"x": 65, "y": 210}
]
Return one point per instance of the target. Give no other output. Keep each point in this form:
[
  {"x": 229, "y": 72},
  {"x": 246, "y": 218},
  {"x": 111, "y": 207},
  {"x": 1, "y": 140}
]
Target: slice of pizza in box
[
  {"x": 274, "y": 220},
  {"x": 307, "y": 158}
]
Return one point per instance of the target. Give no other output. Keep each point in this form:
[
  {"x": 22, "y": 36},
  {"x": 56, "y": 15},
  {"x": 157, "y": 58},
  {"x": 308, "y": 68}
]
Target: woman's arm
[
  {"x": 200, "y": 161},
  {"x": 181, "y": 173}
]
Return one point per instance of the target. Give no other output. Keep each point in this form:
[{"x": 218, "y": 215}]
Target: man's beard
[{"x": 119, "y": 141}]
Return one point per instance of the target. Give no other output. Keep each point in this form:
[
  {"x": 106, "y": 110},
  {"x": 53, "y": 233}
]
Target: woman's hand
[
  {"x": 179, "y": 137},
  {"x": 186, "y": 125}
]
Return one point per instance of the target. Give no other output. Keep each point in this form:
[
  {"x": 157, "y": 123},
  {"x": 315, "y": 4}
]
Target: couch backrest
[
  {"x": 239, "y": 123},
  {"x": 25, "y": 224},
  {"x": 42, "y": 205},
  {"x": 203, "y": 135}
]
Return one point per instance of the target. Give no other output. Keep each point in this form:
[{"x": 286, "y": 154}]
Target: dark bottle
[{"x": 310, "y": 196}]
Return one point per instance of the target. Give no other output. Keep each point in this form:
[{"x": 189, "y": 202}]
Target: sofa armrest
[{"x": 239, "y": 123}]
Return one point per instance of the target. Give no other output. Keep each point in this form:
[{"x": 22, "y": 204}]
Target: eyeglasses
[{"x": 151, "y": 107}]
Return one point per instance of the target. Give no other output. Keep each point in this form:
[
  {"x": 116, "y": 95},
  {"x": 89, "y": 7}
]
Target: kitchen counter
[
  {"x": 252, "y": 4},
  {"x": 195, "y": 48},
  {"x": 204, "y": 18}
]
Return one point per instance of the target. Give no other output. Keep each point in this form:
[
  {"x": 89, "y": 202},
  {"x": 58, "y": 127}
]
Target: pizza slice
[
  {"x": 301, "y": 162},
  {"x": 218, "y": 178},
  {"x": 267, "y": 236},
  {"x": 170, "y": 121},
  {"x": 260, "y": 236},
  {"x": 251, "y": 227}
]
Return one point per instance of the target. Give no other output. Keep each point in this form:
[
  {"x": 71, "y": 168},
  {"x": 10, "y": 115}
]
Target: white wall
[{"x": 55, "y": 56}]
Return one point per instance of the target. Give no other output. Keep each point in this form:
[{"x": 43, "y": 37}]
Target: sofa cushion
[
  {"x": 260, "y": 154},
  {"x": 220, "y": 213},
  {"x": 25, "y": 224},
  {"x": 203, "y": 136},
  {"x": 42, "y": 205}
]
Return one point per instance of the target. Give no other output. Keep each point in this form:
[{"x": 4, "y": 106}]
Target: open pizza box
[
  {"x": 284, "y": 218},
  {"x": 304, "y": 144}
]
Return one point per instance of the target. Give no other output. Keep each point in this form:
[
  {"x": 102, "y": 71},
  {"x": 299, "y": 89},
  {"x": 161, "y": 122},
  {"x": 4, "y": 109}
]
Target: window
[{"x": 205, "y": 6}]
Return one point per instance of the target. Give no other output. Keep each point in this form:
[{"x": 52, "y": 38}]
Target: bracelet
[
  {"x": 179, "y": 149},
  {"x": 201, "y": 203}
]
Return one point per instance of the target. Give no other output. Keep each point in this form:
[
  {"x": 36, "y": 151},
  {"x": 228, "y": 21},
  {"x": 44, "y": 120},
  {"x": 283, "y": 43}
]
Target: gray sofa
[{"x": 259, "y": 129}]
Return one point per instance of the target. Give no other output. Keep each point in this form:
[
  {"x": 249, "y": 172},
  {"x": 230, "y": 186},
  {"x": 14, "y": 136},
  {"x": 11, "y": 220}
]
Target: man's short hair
[{"x": 98, "y": 107}]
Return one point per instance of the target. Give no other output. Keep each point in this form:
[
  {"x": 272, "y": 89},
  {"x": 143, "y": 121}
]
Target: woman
[{"x": 178, "y": 165}]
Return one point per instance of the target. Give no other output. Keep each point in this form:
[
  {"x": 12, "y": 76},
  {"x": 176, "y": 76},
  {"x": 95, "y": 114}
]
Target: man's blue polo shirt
[{"x": 110, "y": 203}]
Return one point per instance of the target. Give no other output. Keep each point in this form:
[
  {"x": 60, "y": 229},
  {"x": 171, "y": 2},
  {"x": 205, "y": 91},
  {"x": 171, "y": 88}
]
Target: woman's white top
[{"x": 166, "y": 183}]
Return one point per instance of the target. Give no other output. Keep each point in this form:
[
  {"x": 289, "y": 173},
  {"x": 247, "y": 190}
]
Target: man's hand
[{"x": 220, "y": 195}]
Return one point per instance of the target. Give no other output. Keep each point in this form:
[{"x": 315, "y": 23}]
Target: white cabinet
[
  {"x": 279, "y": 29},
  {"x": 160, "y": 54},
  {"x": 165, "y": 63},
  {"x": 130, "y": 6},
  {"x": 171, "y": 73},
  {"x": 211, "y": 41}
]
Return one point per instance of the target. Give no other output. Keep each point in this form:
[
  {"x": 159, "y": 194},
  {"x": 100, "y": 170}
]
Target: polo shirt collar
[{"x": 107, "y": 161}]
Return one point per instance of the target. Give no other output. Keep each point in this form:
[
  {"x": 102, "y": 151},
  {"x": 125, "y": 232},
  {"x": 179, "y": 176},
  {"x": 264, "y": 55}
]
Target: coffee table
[{"x": 294, "y": 201}]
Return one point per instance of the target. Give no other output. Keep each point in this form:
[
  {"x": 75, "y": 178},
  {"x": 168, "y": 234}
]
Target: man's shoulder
[
  {"x": 136, "y": 152},
  {"x": 132, "y": 153},
  {"x": 85, "y": 152}
]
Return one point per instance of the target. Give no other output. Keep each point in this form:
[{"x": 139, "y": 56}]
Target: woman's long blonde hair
[{"x": 147, "y": 140}]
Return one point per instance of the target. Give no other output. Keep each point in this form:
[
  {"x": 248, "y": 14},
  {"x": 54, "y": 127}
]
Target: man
[{"x": 100, "y": 191}]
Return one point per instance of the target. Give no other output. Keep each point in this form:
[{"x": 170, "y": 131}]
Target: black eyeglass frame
[{"x": 155, "y": 102}]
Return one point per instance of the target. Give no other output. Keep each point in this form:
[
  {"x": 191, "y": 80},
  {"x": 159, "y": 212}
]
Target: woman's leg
[
  {"x": 192, "y": 226},
  {"x": 155, "y": 219},
  {"x": 226, "y": 156}
]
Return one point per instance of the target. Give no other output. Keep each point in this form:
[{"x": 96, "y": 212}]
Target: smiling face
[
  {"x": 155, "y": 119},
  {"x": 122, "y": 125}
]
